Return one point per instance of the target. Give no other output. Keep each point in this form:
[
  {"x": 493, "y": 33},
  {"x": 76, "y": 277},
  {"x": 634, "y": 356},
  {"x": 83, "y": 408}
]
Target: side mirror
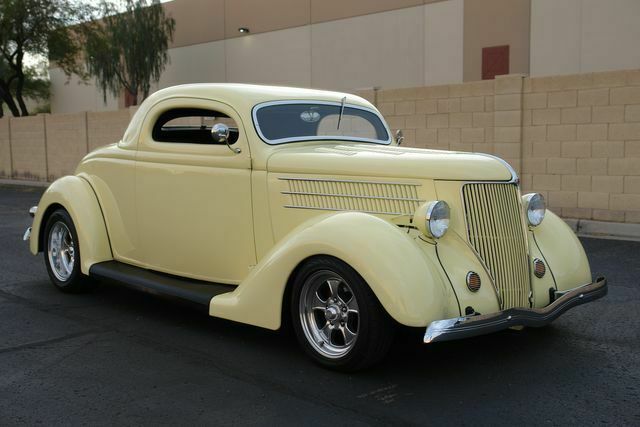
[
  {"x": 399, "y": 137},
  {"x": 220, "y": 134}
]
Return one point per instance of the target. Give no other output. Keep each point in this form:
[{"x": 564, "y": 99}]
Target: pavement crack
[{"x": 36, "y": 344}]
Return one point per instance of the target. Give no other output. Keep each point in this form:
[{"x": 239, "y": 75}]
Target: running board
[{"x": 160, "y": 284}]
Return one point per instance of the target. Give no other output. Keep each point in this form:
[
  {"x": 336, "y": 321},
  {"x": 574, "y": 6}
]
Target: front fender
[
  {"x": 563, "y": 252},
  {"x": 405, "y": 280},
  {"x": 76, "y": 196}
]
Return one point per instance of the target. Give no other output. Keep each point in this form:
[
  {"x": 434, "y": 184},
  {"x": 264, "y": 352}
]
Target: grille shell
[{"x": 496, "y": 231}]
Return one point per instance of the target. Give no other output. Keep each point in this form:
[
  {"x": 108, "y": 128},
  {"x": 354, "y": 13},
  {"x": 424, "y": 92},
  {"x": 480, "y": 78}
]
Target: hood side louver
[{"x": 384, "y": 198}]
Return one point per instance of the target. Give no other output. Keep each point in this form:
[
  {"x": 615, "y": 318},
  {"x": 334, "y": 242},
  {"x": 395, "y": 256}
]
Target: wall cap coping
[{"x": 603, "y": 229}]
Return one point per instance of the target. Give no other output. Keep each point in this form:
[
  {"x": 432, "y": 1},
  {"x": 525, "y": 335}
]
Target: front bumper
[
  {"x": 27, "y": 234},
  {"x": 469, "y": 326}
]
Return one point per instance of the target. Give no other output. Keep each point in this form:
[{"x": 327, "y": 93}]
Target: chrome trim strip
[
  {"x": 256, "y": 125},
  {"x": 347, "y": 210},
  {"x": 303, "y": 193},
  {"x": 348, "y": 181},
  {"x": 514, "y": 176}
]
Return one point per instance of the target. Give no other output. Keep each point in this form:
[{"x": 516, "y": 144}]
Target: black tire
[
  {"x": 75, "y": 282},
  {"x": 374, "y": 327}
]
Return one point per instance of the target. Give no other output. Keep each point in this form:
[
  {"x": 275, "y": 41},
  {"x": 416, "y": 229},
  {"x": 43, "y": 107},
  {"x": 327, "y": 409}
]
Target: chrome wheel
[
  {"x": 61, "y": 251},
  {"x": 329, "y": 314}
]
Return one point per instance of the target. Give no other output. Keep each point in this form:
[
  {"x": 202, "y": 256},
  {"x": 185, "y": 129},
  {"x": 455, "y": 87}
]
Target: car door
[{"x": 193, "y": 196}]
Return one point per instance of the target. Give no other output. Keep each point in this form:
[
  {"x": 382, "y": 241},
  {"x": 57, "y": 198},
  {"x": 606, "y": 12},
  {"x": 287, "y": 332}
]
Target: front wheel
[
  {"x": 337, "y": 318},
  {"x": 62, "y": 253}
]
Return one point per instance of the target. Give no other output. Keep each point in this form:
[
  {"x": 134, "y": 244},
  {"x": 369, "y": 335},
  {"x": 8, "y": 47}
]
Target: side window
[{"x": 191, "y": 126}]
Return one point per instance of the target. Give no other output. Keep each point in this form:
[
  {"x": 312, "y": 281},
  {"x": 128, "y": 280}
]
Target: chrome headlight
[
  {"x": 432, "y": 218},
  {"x": 535, "y": 207}
]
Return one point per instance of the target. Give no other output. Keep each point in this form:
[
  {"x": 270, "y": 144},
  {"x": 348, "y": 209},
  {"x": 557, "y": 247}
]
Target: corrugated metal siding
[
  {"x": 496, "y": 232},
  {"x": 340, "y": 195}
]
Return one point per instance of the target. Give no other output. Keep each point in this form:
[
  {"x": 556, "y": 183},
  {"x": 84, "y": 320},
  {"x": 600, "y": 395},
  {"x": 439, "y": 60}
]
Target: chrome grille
[
  {"x": 387, "y": 198},
  {"x": 495, "y": 228}
]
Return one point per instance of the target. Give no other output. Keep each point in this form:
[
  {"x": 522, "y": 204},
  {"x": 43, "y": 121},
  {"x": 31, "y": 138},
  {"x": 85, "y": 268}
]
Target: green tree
[
  {"x": 36, "y": 87},
  {"x": 128, "y": 50},
  {"x": 38, "y": 28}
]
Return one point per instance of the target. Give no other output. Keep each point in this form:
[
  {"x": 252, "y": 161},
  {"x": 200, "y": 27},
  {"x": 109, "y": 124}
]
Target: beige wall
[
  {"x": 493, "y": 23},
  {"x": 197, "y": 21},
  {"x": 401, "y": 47},
  {"x": 28, "y": 148},
  {"x": 578, "y": 36},
  {"x": 382, "y": 49},
  {"x": 265, "y": 15},
  {"x": 5, "y": 148},
  {"x": 66, "y": 143},
  {"x": 70, "y": 95},
  {"x": 195, "y": 64},
  {"x": 278, "y": 57},
  {"x": 202, "y": 21},
  {"x": 48, "y": 146},
  {"x": 574, "y": 138},
  {"x": 443, "y": 42}
]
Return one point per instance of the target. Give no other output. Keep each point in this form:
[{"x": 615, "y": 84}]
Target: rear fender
[
  {"x": 404, "y": 279},
  {"x": 76, "y": 196}
]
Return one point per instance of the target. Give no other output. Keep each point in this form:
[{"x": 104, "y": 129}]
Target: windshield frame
[{"x": 279, "y": 141}]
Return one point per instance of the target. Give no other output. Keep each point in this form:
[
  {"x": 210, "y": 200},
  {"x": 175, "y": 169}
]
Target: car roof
[
  {"x": 242, "y": 97},
  {"x": 254, "y": 94}
]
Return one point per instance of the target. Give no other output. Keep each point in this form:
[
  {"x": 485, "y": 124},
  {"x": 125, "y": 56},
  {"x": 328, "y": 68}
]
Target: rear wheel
[
  {"x": 337, "y": 318},
  {"x": 62, "y": 254}
]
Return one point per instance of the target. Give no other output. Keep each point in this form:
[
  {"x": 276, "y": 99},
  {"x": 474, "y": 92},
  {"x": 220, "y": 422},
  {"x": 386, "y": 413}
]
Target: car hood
[{"x": 387, "y": 161}]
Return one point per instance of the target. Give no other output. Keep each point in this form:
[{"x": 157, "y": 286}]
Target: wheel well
[{"x": 43, "y": 223}]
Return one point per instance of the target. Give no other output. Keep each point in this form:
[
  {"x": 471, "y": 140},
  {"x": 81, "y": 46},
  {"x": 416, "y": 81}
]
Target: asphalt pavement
[{"x": 117, "y": 357}]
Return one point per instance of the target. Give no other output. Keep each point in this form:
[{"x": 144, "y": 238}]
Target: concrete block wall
[
  {"x": 66, "y": 143},
  {"x": 28, "y": 148},
  {"x": 581, "y": 144},
  {"x": 48, "y": 146},
  {"x": 573, "y": 138}
]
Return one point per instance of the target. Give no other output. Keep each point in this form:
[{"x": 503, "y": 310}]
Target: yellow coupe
[{"x": 268, "y": 205}]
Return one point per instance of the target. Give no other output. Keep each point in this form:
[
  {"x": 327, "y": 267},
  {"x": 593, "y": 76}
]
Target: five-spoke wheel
[
  {"x": 336, "y": 317},
  {"x": 61, "y": 253},
  {"x": 329, "y": 313},
  {"x": 61, "y": 250}
]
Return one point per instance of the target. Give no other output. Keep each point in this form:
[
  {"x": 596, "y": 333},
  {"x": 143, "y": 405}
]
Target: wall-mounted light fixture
[{"x": 243, "y": 30}]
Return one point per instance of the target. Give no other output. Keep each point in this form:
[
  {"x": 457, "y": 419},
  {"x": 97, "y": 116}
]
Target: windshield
[{"x": 292, "y": 121}]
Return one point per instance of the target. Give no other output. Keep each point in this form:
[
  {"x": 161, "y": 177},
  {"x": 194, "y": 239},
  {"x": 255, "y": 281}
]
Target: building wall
[
  {"x": 490, "y": 23},
  {"x": 345, "y": 44},
  {"x": 322, "y": 44},
  {"x": 578, "y": 36},
  {"x": 70, "y": 95}
]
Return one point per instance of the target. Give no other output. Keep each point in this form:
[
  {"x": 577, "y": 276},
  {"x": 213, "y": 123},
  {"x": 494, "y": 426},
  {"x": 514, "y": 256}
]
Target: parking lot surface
[{"x": 114, "y": 356}]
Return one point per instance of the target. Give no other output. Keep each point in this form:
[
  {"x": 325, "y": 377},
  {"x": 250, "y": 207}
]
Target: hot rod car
[{"x": 269, "y": 205}]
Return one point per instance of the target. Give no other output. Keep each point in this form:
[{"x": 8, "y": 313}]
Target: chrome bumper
[
  {"x": 27, "y": 233},
  {"x": 469, "y": 326}
]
